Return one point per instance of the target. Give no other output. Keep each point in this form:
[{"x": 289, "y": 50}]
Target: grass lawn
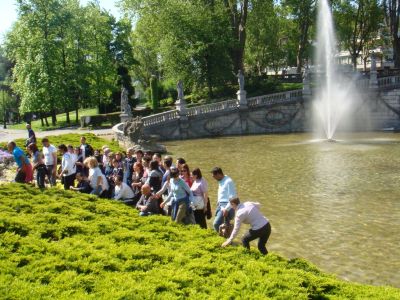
[
  {"x": 291, "y": 86},
  {"x": 57, "y": 244},
  {"x": 61, "y": 120}
]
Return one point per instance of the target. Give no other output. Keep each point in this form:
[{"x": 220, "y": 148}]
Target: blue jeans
[
  {"x": 219, "y": 217},
  {"x": 96, "y": 191}
]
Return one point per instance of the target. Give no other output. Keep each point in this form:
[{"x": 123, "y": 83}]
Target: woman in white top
[
  {"x": 199, "y": 189},
  {"x": 98, "y": 181},
  {"x": 68, "y": 169}
]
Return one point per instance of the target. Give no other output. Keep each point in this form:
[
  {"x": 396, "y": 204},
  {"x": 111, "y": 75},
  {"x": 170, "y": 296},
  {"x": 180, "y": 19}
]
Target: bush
[
  {"x": 63, "y": 245},
  {"x": 98, "y": 120},
  {"x": 74, "y": 139}
]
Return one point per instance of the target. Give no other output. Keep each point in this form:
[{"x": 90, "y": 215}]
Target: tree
[
  {"x": 237, "y": 10},
  {"x": 358, "y": 23},
  {"x": 303, "y": 13},
  {"x": 392, "y": 17},
  {"x": 267, "y": 40},
  {"x": 178, "y": 40},
  {"x": 35, "y": 56}
]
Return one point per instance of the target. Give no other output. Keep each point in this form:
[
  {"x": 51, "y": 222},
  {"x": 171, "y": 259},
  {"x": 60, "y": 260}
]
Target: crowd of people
[{"x": 152, "y": 184}]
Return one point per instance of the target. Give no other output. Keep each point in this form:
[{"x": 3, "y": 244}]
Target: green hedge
[
  {"x": 62, "y": 245},
  {"x": 74, "y": 139},
  {"x": 99, "y": 120}
]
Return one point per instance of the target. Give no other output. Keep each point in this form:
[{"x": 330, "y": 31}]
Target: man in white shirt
[
  {"x": 50, "y": 160},
  {"x": 122, "y": 190},
  {"x": 249, "y": 213}
]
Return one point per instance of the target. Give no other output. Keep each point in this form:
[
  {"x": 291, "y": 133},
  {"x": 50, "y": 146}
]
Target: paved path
[{"x": 13, "y": 134}]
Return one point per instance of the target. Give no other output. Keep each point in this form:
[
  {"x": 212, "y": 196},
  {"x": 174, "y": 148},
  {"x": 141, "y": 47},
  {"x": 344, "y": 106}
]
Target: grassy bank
[
  {"x": 61, "y": 121},
  {"x": 61, "y": 245},
  {"x": 74, "y": 139}
]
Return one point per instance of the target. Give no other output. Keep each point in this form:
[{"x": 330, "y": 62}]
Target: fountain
[{"x": 336, "y": 95}]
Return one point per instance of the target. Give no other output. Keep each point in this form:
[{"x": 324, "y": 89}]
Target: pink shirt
[
  {"x": 199, "y": 187},
  {"x": 248, "y": 213}
]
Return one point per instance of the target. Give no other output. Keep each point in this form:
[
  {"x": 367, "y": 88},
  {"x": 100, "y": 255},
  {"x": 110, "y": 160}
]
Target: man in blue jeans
[{"x": 226, "y": 191}]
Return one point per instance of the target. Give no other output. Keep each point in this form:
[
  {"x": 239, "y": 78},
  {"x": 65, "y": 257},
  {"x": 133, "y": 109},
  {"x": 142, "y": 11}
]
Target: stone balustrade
[
  {"x": 387, "y": 82},
  {"x": 160, "y": 118},
  {"x": 214, "y": 107},
  {"x": 254, "y": 102},
  {"x": 274, "y": 98}
]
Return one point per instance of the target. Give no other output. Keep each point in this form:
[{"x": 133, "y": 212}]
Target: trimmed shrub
[
  {"x": 98, "y": 120},
  {"x": 62, "y": 245}
]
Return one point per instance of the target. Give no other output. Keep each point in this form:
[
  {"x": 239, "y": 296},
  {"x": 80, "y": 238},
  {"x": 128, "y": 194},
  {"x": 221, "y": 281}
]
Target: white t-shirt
[
  {"x": 94, "y": 174},
  {"x": 123, "y": 192},
  {"x": 68, "y": 164},
  {"x": 48, "y": 155}
]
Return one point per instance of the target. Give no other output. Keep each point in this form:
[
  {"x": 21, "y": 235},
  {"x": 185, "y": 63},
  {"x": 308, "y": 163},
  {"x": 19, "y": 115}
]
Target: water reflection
[{"x": 335, "y": 204}]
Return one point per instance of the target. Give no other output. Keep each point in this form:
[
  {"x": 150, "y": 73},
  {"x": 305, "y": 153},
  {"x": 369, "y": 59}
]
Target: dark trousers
[
  {"x": 20, "y": 176},
  {"x": 50, "y": 175},
  {"x": 40, "y": 176},
  {"x": 262, "y": 234},
  {"x": 200, "y": 218},
  {"x": 68, "y": 181}
]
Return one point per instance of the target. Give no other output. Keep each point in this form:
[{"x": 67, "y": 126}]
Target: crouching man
[
  {"x": 249, "y": 213},
  {"x": 148, "y": 204},
  {"x": 83, "y": 185}
]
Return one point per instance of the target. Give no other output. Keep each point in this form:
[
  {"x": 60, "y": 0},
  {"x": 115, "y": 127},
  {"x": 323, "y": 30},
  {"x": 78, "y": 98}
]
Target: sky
[{"x": 8, "y": 13}]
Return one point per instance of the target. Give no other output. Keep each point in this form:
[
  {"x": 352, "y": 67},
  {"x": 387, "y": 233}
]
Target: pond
[{"x": 334, "y": 204}]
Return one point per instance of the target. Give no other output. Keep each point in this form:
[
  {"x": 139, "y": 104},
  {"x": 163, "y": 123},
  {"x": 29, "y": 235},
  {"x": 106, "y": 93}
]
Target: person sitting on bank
[
  {"x": 180, "y": 195},
  {"x": 98, "y": 181},
  {"x": 83, "y": 185},
  {"x": 148, "y": 204},
  {"x": 249, "y": 213},
  {"x": 24, "y": 170},
  {"x": 68, "y": 169},
  {"x": 123, "y": 192}
]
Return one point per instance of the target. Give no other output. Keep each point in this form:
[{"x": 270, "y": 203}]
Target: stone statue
[
  {"x": 138, "y": 140},
  {"x": 240, "y": 77},
  {"x": 306, "y": 74},
  {"x": 179, "y": 87},
  {"x": 134, "y": 130},
  {"x": 125, "y": 107}
]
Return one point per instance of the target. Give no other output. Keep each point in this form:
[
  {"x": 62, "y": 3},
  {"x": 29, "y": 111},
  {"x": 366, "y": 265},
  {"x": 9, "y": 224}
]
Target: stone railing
[
  {"x": 387, "y": 82},
  {"x": 210, "y": 108},
  {"x": 160, "y": 118},
  {"x": 362, "y": 84},
  {"x": 274, "y": 98}
]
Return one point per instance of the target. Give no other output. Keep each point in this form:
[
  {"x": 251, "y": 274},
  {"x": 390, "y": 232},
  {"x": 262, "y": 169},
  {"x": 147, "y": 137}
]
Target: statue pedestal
[
  {"x": 242, "y": 99},
  {"x": 125, "y": 117}
]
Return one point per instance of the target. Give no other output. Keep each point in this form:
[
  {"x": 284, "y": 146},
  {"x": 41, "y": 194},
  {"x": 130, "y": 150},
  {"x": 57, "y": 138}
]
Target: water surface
[{"x": 334, "y": 204}]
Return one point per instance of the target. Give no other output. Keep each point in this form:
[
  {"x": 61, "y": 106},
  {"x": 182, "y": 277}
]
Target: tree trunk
[
  {"x": 396, "y": 51},
  {"x": 67, "y": 115},
  {"x": 41, "y": 119},
  {"x": 76, "y": 114},
  {"x": 209, "y": 79},
  {"x": 238, "y": 25},
  {"x": 47, "y": 122},
  {"x": 354, "y": 61},
  {"x": 53, "y": 117},
  {"x": 302, "y": 45}
]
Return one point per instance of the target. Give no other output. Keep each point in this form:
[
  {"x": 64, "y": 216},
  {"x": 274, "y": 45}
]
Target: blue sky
[{"x": 8, "y": 13}]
